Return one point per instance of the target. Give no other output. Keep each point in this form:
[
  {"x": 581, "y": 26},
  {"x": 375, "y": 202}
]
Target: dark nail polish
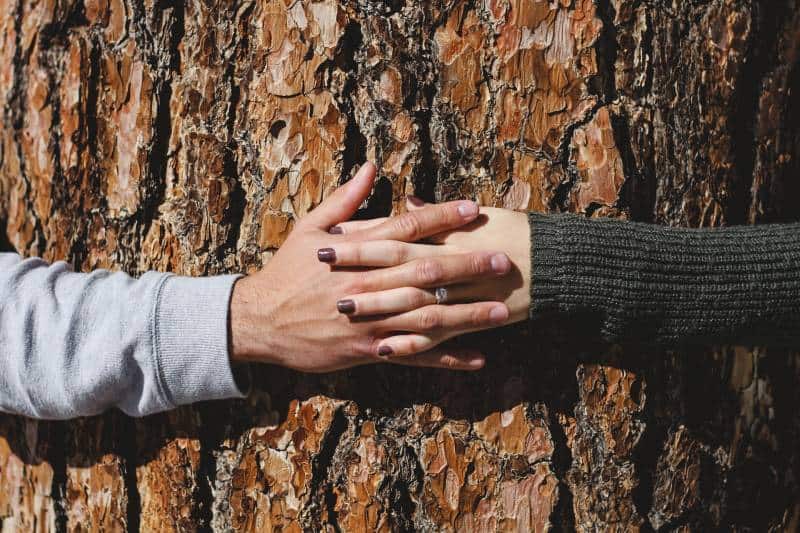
[
  {"x": 346, "y": 306},
  {"x": 418, "y": 202},
  {"x": 385, "y": 351},
  {"x": 326, "y": 255},
  {"x": 335, "y": 230}
]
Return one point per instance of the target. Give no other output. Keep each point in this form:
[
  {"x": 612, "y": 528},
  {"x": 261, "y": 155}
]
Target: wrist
[
  {"x": 240, "y": 343},
  {"x": 248, "y": 335},
  {"x": 516, "y": 242}
]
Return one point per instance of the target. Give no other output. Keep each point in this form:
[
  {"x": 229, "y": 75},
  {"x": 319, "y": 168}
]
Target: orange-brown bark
[{"x": 191, "y": 136}]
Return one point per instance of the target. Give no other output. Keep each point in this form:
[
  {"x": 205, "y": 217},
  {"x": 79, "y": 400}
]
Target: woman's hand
[
  {"x": 315, "y": 308},
  {"x": 502, "y": 230}
]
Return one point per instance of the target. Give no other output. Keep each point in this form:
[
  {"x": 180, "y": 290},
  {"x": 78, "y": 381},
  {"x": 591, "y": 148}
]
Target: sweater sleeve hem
[
  {"x": 546, "y": 265},
  {"x": 192, "y": 341}
]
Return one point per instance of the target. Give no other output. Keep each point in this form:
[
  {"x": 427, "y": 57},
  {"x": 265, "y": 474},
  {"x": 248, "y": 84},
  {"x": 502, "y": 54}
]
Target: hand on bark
[
  {"x": 321, "y": 304},
  {"x": 502, "y": 230}
]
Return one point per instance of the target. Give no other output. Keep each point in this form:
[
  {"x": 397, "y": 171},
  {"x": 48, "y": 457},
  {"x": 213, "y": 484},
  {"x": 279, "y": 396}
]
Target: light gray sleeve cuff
[{"x": 191, "y": 340}]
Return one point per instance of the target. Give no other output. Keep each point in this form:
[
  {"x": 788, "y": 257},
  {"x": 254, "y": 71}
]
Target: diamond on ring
[{"x": 441, "y": 295}]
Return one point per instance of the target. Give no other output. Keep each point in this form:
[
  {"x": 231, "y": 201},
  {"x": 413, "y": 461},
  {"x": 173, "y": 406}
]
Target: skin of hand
[
  {"x": 506, "y": 231},
  {"x": 306, "y": 308},
  {"x": 494, "y": 229}
]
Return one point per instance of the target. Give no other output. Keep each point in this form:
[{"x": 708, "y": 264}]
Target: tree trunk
[{"x": 189, "y": 137}]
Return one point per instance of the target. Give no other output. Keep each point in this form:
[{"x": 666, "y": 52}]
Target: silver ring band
[{"x": 441, "y": 295}]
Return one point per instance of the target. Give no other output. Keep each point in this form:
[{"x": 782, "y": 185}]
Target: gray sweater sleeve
[
  {"x": 643, "y": 283},
  {"x": 76, "y": 344}
]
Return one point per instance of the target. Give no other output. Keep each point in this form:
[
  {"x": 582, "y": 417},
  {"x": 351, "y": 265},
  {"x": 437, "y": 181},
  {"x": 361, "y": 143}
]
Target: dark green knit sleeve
[{"x": 652, "y": 284}]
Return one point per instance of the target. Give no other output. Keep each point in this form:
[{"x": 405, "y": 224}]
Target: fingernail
[
  {"x": 385, "y": 351},
  {"x": 416, "y": 201},
  {"x": 335, "y": 230},
  {"x": 468, "y": 209},
  {"x": 326, "y": 255},
  {"x": 346, "y": 306},
  {"x": 476, "y": 362},
  {"x": 500, "y": 263},
  {"x": 498, "y": 314}
]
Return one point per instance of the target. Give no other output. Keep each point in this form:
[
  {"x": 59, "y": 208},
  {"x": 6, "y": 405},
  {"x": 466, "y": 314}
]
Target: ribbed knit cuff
[
  {"x": 650, "y": 284},
  {"x": 191, "y": 341},
  {"x": 546, "y": 265}
]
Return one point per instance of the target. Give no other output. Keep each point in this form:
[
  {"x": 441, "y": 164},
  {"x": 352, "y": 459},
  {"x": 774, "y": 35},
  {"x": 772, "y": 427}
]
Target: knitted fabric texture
[{"x": 659, "y": 285}]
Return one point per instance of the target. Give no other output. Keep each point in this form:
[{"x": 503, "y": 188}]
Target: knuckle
[
  {"x": 409, "y": 226},
  {"x": 479, "y": 316},
  {"x": 429, "y": 272},
  {"x": 479, "y": 263},
  {"x": 357, "y": 348},
  {"x": 411, "y": 346},
  {"x": 415, "y": 346},
  {"x": 353, "y": 253},
  {"x": 448, "y": 361},
  {"x": 398, "y": 253},
  {"x": 369, "y": 348},
  {"x": 357, "y": 284},
  {"x": 429, "y": 320}
]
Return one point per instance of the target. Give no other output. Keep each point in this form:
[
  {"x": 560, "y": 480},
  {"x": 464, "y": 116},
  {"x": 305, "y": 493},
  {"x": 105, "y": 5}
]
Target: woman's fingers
[
  {"x": 446, "y": 320},
  {"x": 353, "y": 226},
  {"x": 451, "y": 359},
  {"x": 436, "y": 271},
  {"x": 421, "y": 223},
  {"x": 377, "y": 253}
]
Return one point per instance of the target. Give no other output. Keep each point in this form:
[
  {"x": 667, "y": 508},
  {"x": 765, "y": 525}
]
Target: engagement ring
[{"x": 441, "y": 295}]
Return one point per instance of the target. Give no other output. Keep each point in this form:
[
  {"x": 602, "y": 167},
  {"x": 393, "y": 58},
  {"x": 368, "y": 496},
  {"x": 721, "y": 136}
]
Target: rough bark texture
[{"x": 190, "y": 135}]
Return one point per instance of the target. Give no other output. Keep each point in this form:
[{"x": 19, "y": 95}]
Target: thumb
[{"x": 344, "y": 201}]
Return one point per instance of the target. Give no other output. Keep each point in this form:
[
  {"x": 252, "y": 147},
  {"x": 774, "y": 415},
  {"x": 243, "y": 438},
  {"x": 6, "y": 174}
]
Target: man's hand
[
  {"x": 494, "y": 229},
  {"x": 315, "y": 308}
]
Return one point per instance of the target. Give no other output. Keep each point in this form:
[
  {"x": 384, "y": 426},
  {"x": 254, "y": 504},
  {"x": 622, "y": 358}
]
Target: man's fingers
[
  {"x": 353, "y": 226},
  {"x": 377, "y": 253},
  {"x": 437, "y": 271},
  {"x": 385, "y": 302},
  {"x": 401, "y": 300},
  {"x": 406, "y": 345},
  {"x": 451, "y": 359},
  {"x": 416, "y": 225},
  {"x": 447, "y": 320},
  {"x": 344, "y": 201}
]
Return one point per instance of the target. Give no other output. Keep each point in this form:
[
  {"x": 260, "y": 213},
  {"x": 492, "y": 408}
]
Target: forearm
[
  {"x": 76, "y": 344},
  {"x": 669, "y": 286}
]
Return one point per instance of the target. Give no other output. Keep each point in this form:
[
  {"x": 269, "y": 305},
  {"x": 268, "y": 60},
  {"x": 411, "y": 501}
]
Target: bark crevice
[
  {"x": 129, "y": 453},
  {"x": 761, "y": 51}
]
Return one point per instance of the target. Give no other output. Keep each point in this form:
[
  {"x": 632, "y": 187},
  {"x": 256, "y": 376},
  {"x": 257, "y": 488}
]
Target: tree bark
[{"x": 190, "y": 136}]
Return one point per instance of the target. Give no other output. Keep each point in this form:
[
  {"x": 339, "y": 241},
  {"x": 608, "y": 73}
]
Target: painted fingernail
[
  {"x": 416, "y": 201},
  {"x": 385, "y": 351},
  {"x": 346, "y": 306},
  {"x": 326, "y": 255},
  {"x": 500, "y": 263},
  {"x": 335, "y": 230},
  {"x": 498, "y": 314},
  {"x": 467, "y": 209}
]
